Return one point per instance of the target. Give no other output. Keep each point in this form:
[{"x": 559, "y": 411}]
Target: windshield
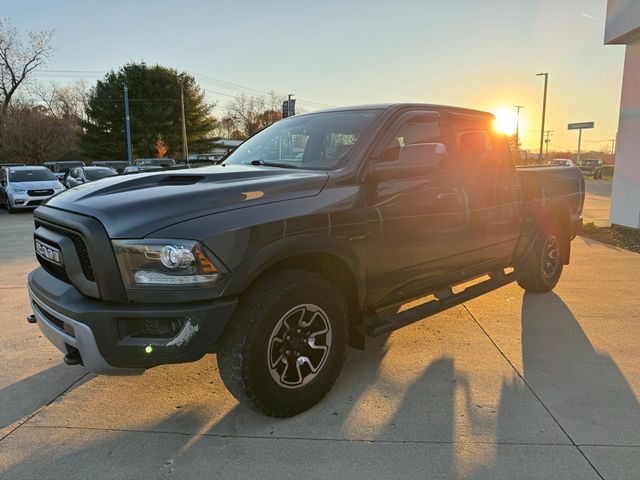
[
  {"x": 316, "y": 141},
  {"x": 36, "y": 175},
  {"x": 558, "y": 162},
  {"x": 95, "y": 174},
  {"x": 591, "y": 163}
]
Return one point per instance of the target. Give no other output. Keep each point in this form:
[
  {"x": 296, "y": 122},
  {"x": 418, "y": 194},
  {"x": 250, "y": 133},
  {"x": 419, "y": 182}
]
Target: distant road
[{"x": 597, "y": 202}]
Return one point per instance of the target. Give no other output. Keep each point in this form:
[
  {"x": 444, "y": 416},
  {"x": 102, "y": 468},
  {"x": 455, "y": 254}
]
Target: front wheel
[
  {"x": 287, "y": 343},
  {"x": 540, "y": 271}
]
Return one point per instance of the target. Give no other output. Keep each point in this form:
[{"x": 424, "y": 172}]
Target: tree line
[{"x": 51, "y": 122}]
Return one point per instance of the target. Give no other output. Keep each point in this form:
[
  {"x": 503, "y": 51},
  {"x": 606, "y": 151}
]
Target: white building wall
[
  {"x": 625, "y": 198},
  {"x": 623, "y": 21},
  {"x": 623, "y": 27}
]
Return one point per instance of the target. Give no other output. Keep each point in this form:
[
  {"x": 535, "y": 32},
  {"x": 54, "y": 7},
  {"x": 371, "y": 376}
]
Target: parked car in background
[
  {"x": 117, "y": 165},
  {"x": 591, "y": 167},
  {"x": 27, "y": 187},
  {"x": 60, "y": 169},
  {"x": 203, "y": 161},
  {"x": 561, "y": 162},
  {"x": 137, "y": 169},
  {"x": 10, "y": 164},
  {"x": 155, "y": 162},
  {"x": 80, "y": 175}
]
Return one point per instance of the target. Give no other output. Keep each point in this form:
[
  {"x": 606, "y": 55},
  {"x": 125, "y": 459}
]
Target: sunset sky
[{"x": 474, "y": 53}]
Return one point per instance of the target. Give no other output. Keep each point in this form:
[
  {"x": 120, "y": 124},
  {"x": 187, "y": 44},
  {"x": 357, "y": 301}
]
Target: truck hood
[{"x": 133, "y": 206}]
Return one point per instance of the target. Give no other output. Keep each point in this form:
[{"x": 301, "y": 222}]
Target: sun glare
[{"x": 506, "y": 119}]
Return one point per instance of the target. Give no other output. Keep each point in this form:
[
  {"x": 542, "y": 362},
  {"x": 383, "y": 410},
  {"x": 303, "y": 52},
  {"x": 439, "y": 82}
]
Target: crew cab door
[
  {"x": 421, "y": 210},
  {"x": 482, "y": 163}
]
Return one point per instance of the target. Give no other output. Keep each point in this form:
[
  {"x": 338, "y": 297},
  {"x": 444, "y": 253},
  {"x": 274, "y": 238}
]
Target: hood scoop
[{"x": 181, "y": 179}]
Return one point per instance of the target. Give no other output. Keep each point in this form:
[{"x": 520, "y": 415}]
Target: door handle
[{"x": 446, "y": 196}]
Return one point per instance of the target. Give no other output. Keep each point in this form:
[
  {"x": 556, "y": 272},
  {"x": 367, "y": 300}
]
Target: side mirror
[{"x": 418, "y": 159}]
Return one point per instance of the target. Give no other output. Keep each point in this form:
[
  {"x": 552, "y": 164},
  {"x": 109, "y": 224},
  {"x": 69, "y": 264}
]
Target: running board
[{"x": 377, "y": 327}]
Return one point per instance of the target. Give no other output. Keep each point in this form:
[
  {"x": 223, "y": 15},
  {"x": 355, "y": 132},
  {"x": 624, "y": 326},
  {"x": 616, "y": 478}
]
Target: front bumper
[
  {"x": 19, "y": 201},
  {"x": 113, "y": 338}
]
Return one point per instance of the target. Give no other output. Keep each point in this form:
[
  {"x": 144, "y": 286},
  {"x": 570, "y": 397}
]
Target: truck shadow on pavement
[
  {"x": 435, "y": 429},
  {"x": 23, "y": 398},
  {"x": 584, "y": 388}
]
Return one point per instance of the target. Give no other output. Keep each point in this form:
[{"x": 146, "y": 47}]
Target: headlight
[
  {"x": 166, "y": 263},
  {"x": 19, "y": 191}
]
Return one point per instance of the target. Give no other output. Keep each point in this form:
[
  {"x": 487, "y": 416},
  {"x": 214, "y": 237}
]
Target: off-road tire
[
  {"x": 534, "y": 272},
  {"x": 243, "y": 358}
]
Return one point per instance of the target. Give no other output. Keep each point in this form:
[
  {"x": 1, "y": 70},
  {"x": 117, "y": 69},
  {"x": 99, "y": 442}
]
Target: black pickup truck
[{"x": 288, "y": 252}]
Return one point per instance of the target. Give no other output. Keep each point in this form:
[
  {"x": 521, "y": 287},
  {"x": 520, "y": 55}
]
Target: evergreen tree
[{"x": 154, "y": 109}]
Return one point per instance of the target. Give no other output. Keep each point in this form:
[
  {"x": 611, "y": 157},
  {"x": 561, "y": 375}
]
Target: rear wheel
[
  {"x": 287, "y": 343},
  {"x": 540, "y": 271}
]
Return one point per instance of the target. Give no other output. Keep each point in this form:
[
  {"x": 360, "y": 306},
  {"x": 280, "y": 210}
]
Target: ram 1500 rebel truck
[{"x": 292, "y": 248}]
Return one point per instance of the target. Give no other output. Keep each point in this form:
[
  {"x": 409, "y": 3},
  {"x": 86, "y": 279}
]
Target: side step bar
[{"x": 377, "y": 327}]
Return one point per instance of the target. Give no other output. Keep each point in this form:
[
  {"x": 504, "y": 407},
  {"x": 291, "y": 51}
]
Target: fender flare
[{"x": 252, "y": 267}]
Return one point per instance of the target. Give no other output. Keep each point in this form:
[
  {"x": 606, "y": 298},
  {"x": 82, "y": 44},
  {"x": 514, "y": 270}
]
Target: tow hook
[
  {"x": 72, "y": 359},
  {"x": 31, "y": 318}
]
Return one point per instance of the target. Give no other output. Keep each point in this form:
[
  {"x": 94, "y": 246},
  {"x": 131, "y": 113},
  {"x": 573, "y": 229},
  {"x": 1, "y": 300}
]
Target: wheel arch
[
  {"x": 555, "y": 211},
  {"x": 330, "y": 258}
]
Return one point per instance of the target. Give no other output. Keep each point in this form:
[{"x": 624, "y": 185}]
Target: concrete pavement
[
  {"x": 598, "y": 202},
  {"x": 510, "y": 385}
]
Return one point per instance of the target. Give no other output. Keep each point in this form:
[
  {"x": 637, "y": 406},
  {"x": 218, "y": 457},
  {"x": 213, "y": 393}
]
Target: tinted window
[
  {"x": 38, "y": 175},
  {"x": 97, "y": 173},
  {"x": 417, "y": 130},
  {"x": 316, "y": 141}
]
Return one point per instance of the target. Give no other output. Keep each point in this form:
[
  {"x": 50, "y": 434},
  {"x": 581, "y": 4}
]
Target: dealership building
[{"x": 623, "y": 28}]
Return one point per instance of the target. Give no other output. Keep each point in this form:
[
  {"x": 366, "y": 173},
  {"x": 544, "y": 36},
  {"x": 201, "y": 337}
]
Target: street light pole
[
  {"x": 185, "y": 147},
  {"x": 544, "y": 110},
  {"x": 518, "y": 108},
  {"x": 127, "y": 122}
]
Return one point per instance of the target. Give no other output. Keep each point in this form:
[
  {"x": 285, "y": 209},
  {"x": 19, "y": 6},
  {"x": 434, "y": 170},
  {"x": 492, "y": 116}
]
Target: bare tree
[
  {"x": 32, "y": 135},
  {"x": 67, "y": 101},
  {"x": 251, "y": 114},
  {"x": 18, "y": 61}
]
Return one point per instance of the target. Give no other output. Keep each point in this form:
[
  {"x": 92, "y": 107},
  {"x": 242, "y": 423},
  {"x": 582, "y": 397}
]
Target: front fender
[{"x": 274, "y": 253}]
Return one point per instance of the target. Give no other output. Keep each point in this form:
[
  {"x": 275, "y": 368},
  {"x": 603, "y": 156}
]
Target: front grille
[
  {"x": 34, "y": 202},
  {"x": 57, "y": 271},
  {"x": 40, "y": 193},
  {"x": 81, "y": 249}
]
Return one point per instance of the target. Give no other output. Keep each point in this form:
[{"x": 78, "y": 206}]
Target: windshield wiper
[{"x": 262, "y": 163}]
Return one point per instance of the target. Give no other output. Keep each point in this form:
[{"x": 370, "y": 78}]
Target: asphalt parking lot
[{"x": 510, "y": 385}]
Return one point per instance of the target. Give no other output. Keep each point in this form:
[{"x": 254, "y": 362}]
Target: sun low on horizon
[{"x": 506, "y": 120}]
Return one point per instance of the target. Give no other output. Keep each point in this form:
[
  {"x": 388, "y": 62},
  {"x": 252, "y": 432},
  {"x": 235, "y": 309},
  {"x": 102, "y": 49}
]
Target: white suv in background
[{"x": 27, "y": 187}]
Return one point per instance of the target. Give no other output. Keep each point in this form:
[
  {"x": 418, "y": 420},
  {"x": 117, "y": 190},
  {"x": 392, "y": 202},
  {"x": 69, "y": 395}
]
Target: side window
[
  {"x": 480, "y": 148},
  {"x": 417, "y": 130}
]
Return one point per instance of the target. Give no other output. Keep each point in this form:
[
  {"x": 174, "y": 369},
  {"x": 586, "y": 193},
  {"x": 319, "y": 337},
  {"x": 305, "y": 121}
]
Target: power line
[{"x": 236, "y": 87}]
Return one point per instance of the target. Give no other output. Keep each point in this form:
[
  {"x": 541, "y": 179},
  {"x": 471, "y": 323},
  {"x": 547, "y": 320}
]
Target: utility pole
[
  {"x": 127, "y": 123},
  {"x": 185, "y": 147},
  {"x": 518, "y": 108},
  {"x": 544, "y": 110},
  {"x": 613, "y": 145},
  {"x": 547, "y": 140}
]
